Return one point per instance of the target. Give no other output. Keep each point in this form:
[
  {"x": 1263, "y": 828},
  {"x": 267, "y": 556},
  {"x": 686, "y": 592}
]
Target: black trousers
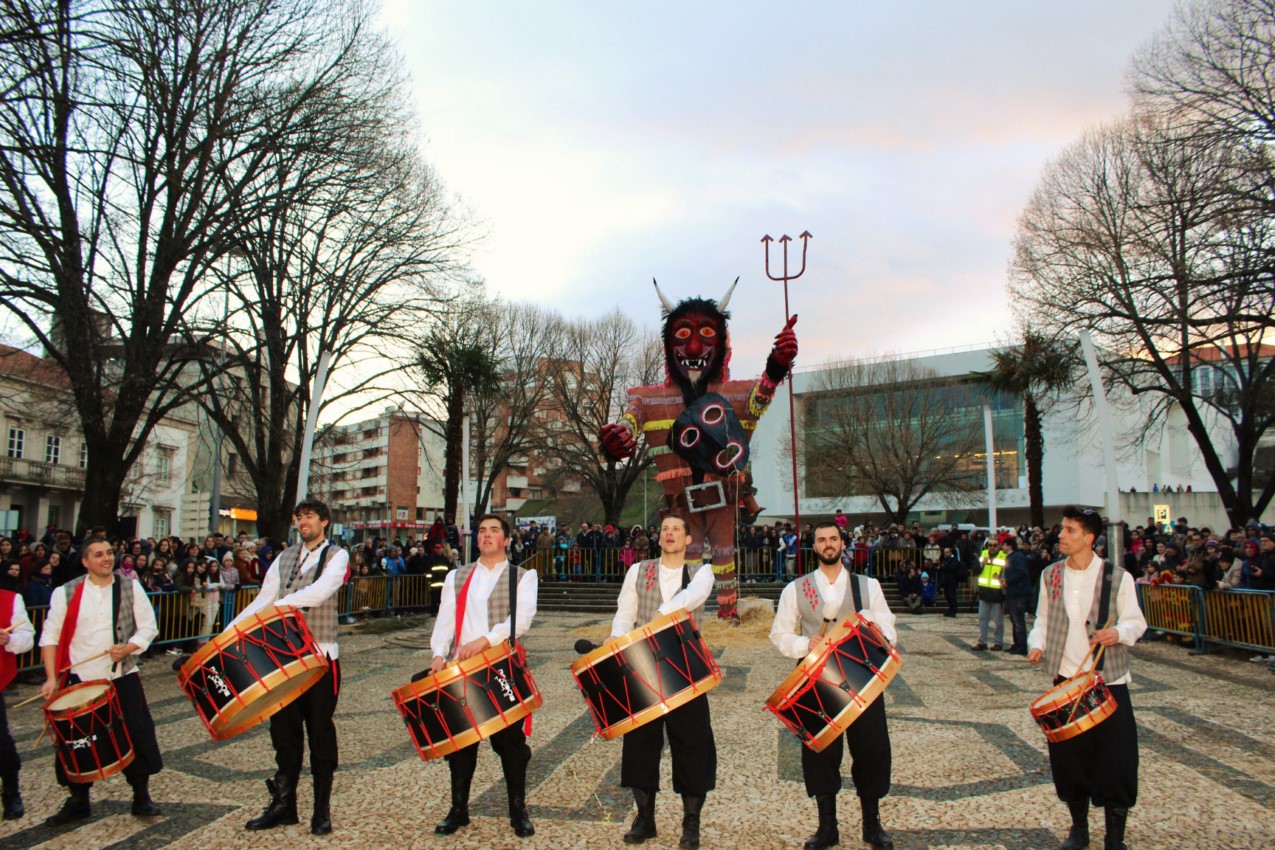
[
  {"x": 308, "y": 717},
  {"x": 690, "y": 742},
  {"x": 1016, "y": 608},
  {"x": 511, "y": 745},
  {"x": 949, "y": 593},
  {"x": 869, "y": 742},
  {"x": 10, "y": 761},
  {"x": 141, "y": 731},
  {"x": 1100, "y": 765}
]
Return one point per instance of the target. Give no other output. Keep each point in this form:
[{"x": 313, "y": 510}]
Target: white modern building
[{"x": 1165, "y": 458}]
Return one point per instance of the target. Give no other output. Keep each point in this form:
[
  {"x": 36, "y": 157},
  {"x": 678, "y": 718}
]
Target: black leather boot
[
  {"x": 1116, "y": 818},
  {"x": 644, "y": 824},
  {"x": 76, "y": 807},
  {"x": 516, "y": 783},
  {"x": 143, "y": 805},
  {"x": 321, "y": 820},
  {"x": 827, "y": 835},
  {"x": 1078, "y": 835},
  {"x": 282, "y": 808},
  {"x": 691, "y": 807},
  {"x": 13, "y": 808},
  {"x": 458, "y": 814},
  {"x": 873, "y": 832}
]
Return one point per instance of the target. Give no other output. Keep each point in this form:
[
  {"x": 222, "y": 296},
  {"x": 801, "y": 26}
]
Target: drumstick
[
  {"x": 43, "y": 732},
  {"x": 84, "y": 661},
  {"x": 1075, "y": 703},
  {"x": 27, "y": 701}
]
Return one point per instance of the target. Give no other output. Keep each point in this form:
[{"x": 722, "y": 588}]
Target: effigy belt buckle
[{"x": 705, "y": 497}]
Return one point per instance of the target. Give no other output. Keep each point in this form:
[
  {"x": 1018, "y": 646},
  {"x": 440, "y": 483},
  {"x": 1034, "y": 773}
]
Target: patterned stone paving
[{"x": 969, "y": 764}]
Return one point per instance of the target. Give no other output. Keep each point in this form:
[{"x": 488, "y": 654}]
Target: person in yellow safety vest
[
  {"x": 438, "y": 564},
  {"x": 991, "y": 594}
]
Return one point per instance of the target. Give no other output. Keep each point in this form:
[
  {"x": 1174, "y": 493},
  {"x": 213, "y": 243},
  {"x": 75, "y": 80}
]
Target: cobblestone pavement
[{"x": 970, "y": 771}]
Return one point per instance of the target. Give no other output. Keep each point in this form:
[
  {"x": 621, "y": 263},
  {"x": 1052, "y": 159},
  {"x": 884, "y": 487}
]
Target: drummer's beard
[{"x": 828, "y": 560}]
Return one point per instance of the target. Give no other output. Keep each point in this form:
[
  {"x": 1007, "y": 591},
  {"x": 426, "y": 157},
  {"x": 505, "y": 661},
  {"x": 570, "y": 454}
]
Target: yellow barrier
[
  {"x": 1240, "y": 618},
  {"x": 1172, "y": 608}
]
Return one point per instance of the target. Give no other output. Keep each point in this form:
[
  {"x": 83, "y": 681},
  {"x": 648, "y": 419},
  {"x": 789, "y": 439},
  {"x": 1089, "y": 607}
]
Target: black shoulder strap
[
  {"x": 686, "y": 575},
  {"x": 513, "y": 605},
  {"x": 858, "y": 594},
  {"x": 1104, "y": 601},
  {"x": 115, "y": 607}
]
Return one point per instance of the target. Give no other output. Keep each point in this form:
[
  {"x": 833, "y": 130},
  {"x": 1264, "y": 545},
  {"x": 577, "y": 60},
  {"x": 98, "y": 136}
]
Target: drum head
[{"x": 78, "y": 695}]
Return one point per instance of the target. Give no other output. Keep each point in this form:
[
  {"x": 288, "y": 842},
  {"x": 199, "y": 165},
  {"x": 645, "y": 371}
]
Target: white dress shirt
[
  {"x": 786, "y": 634},
  {"x": 475, "y": 625},
  {"x": 1078, "y": 590},
  {"x": 21, "y": 632},
  {"x": 671, "y": 592},
  {"x": 315, "y": 593},
  {"x": 95, "y": 627}
]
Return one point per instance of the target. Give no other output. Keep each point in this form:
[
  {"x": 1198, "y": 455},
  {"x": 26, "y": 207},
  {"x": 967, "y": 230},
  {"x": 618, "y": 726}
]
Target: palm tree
[{"x": 1031, "y": 371}]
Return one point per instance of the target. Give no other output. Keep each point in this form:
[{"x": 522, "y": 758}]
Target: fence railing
[
  {"x": 189, "y": 618},
  {"x": 1243, "y": 619}
]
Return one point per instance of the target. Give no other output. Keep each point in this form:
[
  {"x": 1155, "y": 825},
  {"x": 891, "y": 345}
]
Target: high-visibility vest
[{"x": 990, "y": 575}]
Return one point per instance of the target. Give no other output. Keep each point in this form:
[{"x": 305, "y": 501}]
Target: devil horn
[
  {"x": 668, "y": 307},
  {"x": 725, "y": 299}
]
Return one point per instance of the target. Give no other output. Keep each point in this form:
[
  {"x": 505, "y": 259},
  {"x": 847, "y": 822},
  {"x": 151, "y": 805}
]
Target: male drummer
[
  {"x": 1076, "y": 611},
  {"x": 306, "y": 575},
  {"x": 16, "y": 637},
  {"x": 470, "y": 620},
  {"x": 795, "y": 633},
  {"x": 98, "y": 624},
  {"x": 651, "y": 588}
]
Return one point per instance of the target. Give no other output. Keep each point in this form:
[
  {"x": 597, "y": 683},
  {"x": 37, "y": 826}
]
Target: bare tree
[
  {"x": 504, "y": 416},
  {"x": 890, "y": 429},
  {"x": 1134, "y": 234},
  {"x": 590, "y": 372},
  {"x": 130, "y": 135}
]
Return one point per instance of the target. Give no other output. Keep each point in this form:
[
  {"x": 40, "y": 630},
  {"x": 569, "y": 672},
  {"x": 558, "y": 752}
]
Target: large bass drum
[
  {"x": 468, "y": 701},
  {"x": 645, "y": 674},
  {"x": 252, "y": 670},
  {"x": 828, "y": 691}
]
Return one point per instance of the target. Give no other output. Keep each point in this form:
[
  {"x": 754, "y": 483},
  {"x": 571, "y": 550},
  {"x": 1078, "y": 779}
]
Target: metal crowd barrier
[
  {"x": 1176, "y": 609},
  {"x": 1244, "y": 619}
]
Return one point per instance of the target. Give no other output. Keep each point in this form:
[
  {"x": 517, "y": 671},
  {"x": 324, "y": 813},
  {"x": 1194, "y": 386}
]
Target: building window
[
  {"x": 17, "y": 440},
  {"x": 55, "y": 516},
  {"x": 52, "y": 450},
  {"x": 84, "y": 455},
  {"x": 164, "y": 466},
  {"x": 163, "y": 523},
  {"x": 232, "y": 463}
]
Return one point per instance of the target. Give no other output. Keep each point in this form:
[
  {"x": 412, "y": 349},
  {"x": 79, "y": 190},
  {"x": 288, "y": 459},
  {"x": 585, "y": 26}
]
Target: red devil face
[{"x": 697, "y": 342}]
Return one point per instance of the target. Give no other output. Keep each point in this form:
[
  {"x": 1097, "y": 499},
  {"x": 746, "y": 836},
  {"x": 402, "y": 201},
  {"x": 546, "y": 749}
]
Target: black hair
[
  {"x": 504, "y": 523},
  {"x": 314, "y": 506},
  {"x": 1088, "y": 518},
  {"x": 824, "y": 523}
]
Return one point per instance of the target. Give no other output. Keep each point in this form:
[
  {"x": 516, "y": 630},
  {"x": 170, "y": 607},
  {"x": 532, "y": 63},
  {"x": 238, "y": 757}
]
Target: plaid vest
[
  {"x": 650, "y": 598},
  {"x": 810, "y": 602},
  {"x": 498, "y": 602},
  {"x": 1115, "y": 660},
  {"x": 320, "y": 618},
  {"x": 125, "y": 625}
]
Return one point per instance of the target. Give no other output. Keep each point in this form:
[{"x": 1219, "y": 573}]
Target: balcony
[{"x": 39, "y": 474}]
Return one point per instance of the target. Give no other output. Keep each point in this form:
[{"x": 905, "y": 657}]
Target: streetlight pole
[{"x": 219, "y": 435}]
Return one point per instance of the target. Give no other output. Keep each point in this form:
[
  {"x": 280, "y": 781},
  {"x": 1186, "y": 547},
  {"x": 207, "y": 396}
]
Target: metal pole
[
  {"x": 307, "y": 443},
  {"x": 465, "y": 494},
  {"x": 1115, "y": 531},
  {"x": 219, "y": 436},
  {"x": 991, "y": 470}
]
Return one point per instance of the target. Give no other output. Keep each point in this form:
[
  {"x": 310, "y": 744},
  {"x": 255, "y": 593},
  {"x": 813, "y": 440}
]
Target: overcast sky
[{"x": 603, "y": 144}]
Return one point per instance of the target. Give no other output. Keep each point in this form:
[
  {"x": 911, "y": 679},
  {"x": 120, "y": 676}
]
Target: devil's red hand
[
  {"x": 785, "y": 350},
  {"x": 618, "y": 441}
]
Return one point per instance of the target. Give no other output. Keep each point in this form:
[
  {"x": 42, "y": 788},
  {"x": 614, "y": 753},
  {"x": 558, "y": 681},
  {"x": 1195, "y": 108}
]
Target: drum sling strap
[{"x": 858, "y": 594}]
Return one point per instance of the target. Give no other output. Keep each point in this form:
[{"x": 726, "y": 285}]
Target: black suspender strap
[
  {"x": 686, "y": 575},
  {"x": 1104, "y": 601},
  {"x": 513, "y": 605},
  {"x": 854, "y": 588},
  {"x": 115, "y": 608}
]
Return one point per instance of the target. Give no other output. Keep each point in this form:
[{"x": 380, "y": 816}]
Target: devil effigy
[{"x": 697, "y": 426}]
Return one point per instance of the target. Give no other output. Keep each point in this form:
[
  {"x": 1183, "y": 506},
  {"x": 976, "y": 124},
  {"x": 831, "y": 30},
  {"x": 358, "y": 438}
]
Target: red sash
[
  {"x": 68, "y": 633},
  {"x": 8, "y": 661},
  {"x": 462, "y": 600}
]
